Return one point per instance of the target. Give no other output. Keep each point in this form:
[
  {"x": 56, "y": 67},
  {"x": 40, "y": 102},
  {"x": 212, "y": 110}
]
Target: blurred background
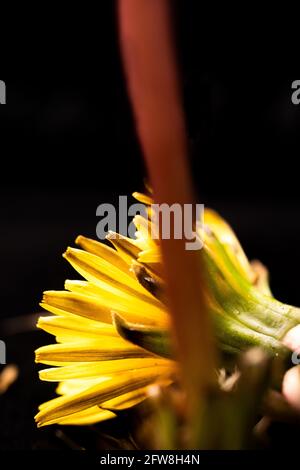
[{"x": 68, "y": 144}]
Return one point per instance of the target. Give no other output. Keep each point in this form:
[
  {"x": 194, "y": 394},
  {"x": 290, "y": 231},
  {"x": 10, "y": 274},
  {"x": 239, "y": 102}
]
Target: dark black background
[{"x": 67, "y": 139}]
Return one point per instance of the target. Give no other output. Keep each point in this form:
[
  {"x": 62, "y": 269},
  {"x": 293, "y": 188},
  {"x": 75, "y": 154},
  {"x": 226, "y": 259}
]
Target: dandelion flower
[{"x": 112, "y": 328}]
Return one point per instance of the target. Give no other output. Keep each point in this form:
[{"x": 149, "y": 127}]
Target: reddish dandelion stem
[{"x": 152, "y": 79}]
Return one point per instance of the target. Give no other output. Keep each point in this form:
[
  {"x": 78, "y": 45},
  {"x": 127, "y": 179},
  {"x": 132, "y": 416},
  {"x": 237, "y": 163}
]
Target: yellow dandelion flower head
[{"x": 112, "y": 328}]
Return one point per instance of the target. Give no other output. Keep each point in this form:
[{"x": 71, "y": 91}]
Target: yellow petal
[
  {"x": 130, "y": 399},
  {"x": 126, "y": 247},
  {"x": 147, "y": 233},
  {"x": 151, "y": 256},
  {"x": 228, "y": 239},
  {"x": 103, "y": 251},
  {"x": 98, "y": 270},
  {"x": 87, "y": 417},
  {"x": 106, "y": 276},
  {"x": 66, "y": 327},
  {"x": 82, "y": 287},
  {"x": 126, "y": 401},
  {"x": 104, "y": 349},
  {"x": 77, "y": 304},
  {"x": 95, "y": 369},
  {"x": 115, "y": 386},
  {"x": 99, "y": 307},
  {"x": 143, "y": 198},
  {"x": 75, "y": 386}
]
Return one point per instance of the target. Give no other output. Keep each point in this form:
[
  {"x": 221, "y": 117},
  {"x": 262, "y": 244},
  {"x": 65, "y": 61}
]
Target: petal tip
[{"x": 79, "y": 239}]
